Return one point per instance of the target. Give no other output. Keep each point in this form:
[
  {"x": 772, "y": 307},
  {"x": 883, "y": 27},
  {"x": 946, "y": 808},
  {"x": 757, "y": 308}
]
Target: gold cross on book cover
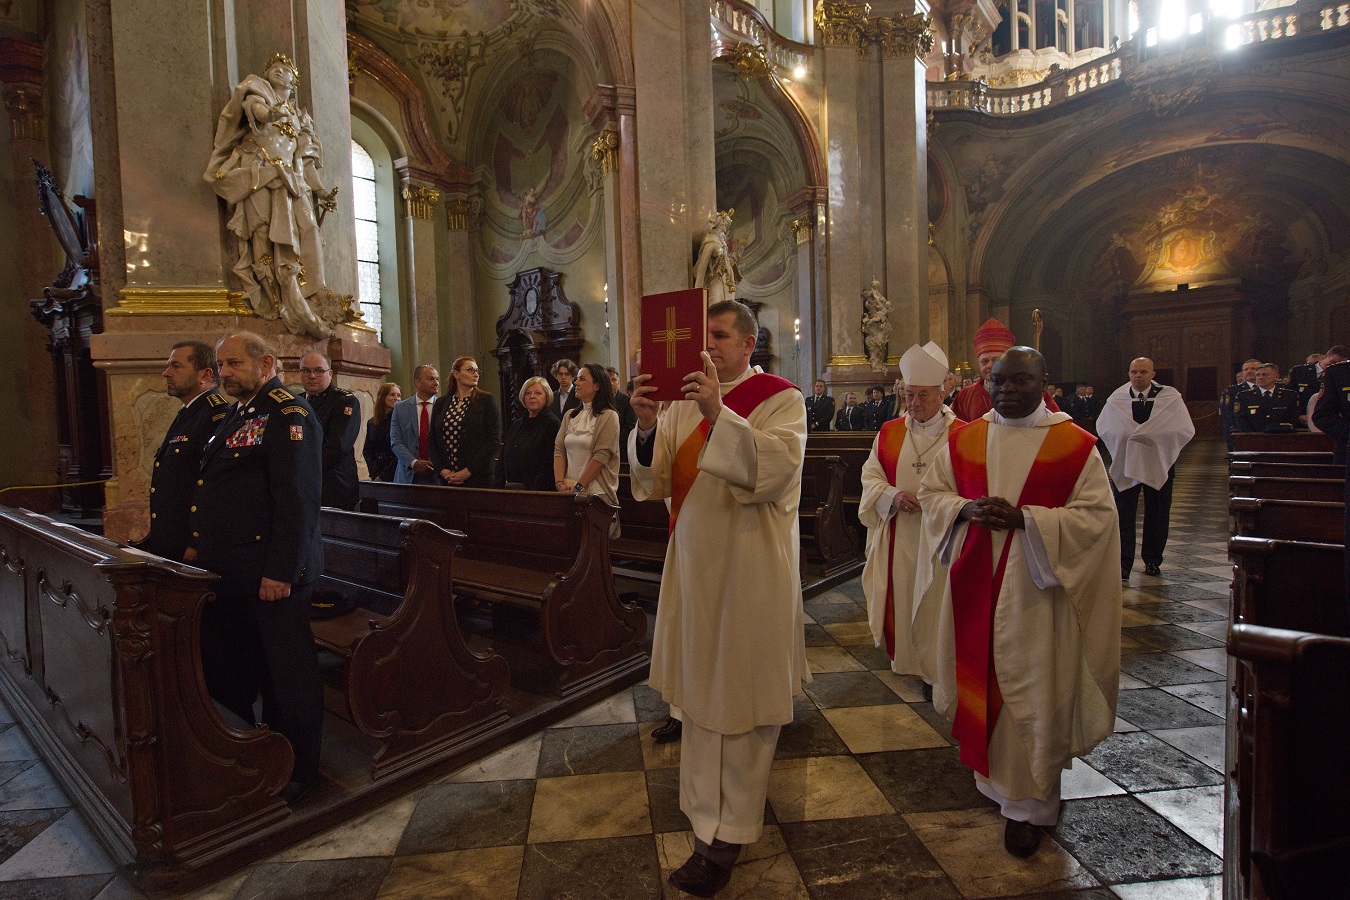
[{"x": 674, "y": 333}]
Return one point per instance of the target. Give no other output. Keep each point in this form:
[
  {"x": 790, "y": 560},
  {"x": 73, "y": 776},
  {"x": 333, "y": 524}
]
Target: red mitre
[{"x": 993, "y": 337}]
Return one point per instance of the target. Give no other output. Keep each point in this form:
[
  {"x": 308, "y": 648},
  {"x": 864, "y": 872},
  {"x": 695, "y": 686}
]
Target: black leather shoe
[
  {"x": 668, "y": 732},
  {"x": 1152, "y": 569},
  {"x": 1021, "y": 838},
  {"x": 1124, "y": 573},
  {"x": 927, "y": 692},
  {"x": 700, "y": 876}
]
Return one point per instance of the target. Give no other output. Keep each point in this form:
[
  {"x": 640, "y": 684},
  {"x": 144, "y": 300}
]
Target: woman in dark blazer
[
  {"x": 465, "y": 430},
  {"x": 527, "y": 453},
  {"x": 379, "y": 455}
]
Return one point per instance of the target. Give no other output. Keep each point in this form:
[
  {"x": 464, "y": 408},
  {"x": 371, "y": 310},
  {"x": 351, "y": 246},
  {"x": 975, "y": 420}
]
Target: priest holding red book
[{"x": 728, "y": 652}]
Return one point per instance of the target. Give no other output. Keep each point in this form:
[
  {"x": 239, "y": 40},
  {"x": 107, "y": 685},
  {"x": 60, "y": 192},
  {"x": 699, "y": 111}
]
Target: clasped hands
[
  {"x": 904, "y": 501},
  {"x": 701, "y": 387},
  {"x": 993, "y": 513}
]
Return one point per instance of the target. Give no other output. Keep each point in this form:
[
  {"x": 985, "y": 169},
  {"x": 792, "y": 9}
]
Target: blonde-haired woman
[
  {"x": 527, "y": 455},
  {"x": 586, "y": 451}
]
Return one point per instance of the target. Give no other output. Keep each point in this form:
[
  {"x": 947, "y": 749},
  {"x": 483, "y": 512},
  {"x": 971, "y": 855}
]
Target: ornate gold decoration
[
  {"x": 354, "y": 70},
  {"x": 24, "y": 105},
  {"x": 751, "y": 60},
  {"x": 932, "y": 234},
  {"x": 450, "y": 62},
  {"x": 605, "y": 151},
  {"x": 352, "y": 315},
  {"x": 1019, "y": 78},
  {"x": 461, "y": 213},
  {"x": 1165, "y": 103},
  {"x": 848, "y": 360},
  {"x": 419, "y": 199},
  {"x": 898, "y": 36},
  {"x": 181, "y": 302},
  {"x": 285, "y": 61},
  {"x": 802, "y": 229},
  {"x": 840, "y": 21}
]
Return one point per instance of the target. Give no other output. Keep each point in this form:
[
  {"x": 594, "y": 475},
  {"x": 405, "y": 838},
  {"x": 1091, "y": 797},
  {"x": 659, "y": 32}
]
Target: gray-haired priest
[{"x": 901, "y": 453}]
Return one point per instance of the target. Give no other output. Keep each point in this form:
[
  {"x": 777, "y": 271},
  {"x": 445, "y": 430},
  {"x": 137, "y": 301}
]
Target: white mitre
[{"x": 924, "y": 366}]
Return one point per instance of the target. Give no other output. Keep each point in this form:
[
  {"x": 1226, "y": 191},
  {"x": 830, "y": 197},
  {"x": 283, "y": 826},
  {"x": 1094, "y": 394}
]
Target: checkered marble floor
[{"x": 867, "y": 797}]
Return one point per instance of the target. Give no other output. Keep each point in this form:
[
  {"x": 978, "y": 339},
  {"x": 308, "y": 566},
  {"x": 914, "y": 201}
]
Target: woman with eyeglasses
[
  {"x": 465, "y": 430},
  {"x": 586, "y": 451}
]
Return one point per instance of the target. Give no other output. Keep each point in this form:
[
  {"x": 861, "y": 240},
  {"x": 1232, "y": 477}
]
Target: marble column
[
  {"x": 676, "y": 187},
  {"x": 612, "y": 110},
  {"x": 27, "y": 388},
  {"x": 905, "y": 154},
  {"x": 421, "y": 326},
  {"x": 847, "y": 275},
  {"x": 462, "y": 212}
]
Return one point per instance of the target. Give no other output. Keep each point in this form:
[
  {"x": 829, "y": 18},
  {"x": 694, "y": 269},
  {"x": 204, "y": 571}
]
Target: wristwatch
[{"x": 579, "y": 487}]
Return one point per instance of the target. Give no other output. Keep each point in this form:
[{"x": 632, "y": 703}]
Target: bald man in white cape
[
  {"x": 901, "y": 453},
  {"x": 729, "y": 650}
]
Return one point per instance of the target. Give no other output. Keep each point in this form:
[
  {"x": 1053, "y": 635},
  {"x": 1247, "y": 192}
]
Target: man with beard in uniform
[
  {"x": 339, "y": 414},
  {"x": 255, "y": 523},
  {"x": 189, "y": 376}
]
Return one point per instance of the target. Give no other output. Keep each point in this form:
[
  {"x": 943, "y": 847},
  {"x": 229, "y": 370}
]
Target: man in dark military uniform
[
  {"x": 339, "y": 414},
  {"x": 1331, "y": 414},
  {"x": 1303, "y": 380},
  {"x": 255, "y": 523},
  {"x": 819, "y": 409},
  {"x": 1267, "y": 407},
  {"x": 872, "y": 408},
  {"x": 1228, "y": 405},
  {"x": 190, "y": 376}
]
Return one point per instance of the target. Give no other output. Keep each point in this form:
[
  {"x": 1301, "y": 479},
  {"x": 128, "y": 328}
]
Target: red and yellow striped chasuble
[
  {"x": 976, "y": 580},
  {"x": 743, "y": 399}
]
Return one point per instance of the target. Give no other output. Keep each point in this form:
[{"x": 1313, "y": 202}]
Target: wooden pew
[
  {"x": 852, "y": 448},
  {"x": 1293, "y": 774},
  {"x": 1264, "y": 488},
  {"x": 1314, "y": 457},
  {"x": 396, "y": 577},
  {"x": 544, "y": 552},
  {"x": 1299, "y": 585},
  {"x": 101, "y": 666},
  {"x": 1295, "y": 520},
  {"x": 1291, "y": 441},
  {"x": 1265, "y": 469},
  {"x": 828, "y": 543},
  {"x": 646, "y": 529}
]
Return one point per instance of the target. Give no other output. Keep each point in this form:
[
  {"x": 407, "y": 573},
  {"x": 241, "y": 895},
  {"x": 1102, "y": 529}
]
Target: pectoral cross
[
  {"x": 919, "y": 465},
  {"x": 671, "y": 336}
]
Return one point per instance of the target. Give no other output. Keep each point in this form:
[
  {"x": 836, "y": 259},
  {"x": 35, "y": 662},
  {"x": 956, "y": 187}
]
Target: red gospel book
[{"x": 674, "y": 334}]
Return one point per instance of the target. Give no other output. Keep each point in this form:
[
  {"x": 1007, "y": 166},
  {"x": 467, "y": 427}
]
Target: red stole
[
  {"x": 890, "y": 442},
  {"x": 976, "y": 580},
  {"x": 743, "y": 399}
]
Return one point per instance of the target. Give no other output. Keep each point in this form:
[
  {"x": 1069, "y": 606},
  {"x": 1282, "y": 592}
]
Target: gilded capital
[
  {"x": 751, "y": 60},
  {"x": 605, "y": 151},
  {"x": 23, "y": 102},
  {"x": 841, "y": 21},
  {"x": 899, "y": 36},
  {"x": 418, "y": 200},
  {"x": 461, "y": 213},
  {"x": 802, "y": 229}
]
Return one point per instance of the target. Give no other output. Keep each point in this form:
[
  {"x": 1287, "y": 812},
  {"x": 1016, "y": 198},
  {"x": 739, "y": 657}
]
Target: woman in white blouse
[{"x": 586, "y": 451}]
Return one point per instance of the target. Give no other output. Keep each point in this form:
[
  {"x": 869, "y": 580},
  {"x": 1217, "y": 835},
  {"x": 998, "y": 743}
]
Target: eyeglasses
[
  {"x": 469, "y": 369},
  {"x": 314, "y": 371}
]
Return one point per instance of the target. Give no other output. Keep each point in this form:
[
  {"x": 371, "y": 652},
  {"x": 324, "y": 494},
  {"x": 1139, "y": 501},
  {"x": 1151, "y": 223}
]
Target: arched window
[{"x": 367, "y": 238}]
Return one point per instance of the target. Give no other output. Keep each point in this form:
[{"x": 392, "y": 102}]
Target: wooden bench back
[
  {"x": 1298, "y": 585},
  {"x": 1287, "y": 469},
  {"x": 1268, "y": 488},
  {"x": 1295, "y": 520},
  {"x": 1293, "y": 774},
  {"x": 365, "y": 561},
  {"x": 1314, "y": 457},
  {"x": 646, "y": 524},
  {"x": 1292, "y": 441}
]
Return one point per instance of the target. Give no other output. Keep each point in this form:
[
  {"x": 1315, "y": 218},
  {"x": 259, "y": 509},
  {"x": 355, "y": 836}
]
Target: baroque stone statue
[
  {"x": 715, "y": 269},
  {"x": 265, "y": 167},
  {"x": 876, "y": 325}
]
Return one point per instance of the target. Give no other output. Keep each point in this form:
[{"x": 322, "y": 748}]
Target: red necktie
[{"x": 424, "y": 432}]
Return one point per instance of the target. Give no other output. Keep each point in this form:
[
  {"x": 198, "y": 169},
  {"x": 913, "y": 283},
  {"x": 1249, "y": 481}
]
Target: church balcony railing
[
  {"x": 1201, "y": 35},
  {"x": 736, "y": 21}
]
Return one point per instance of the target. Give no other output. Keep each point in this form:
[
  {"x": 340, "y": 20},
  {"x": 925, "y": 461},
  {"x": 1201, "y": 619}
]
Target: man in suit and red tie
[{"x": 410, "y": 431}]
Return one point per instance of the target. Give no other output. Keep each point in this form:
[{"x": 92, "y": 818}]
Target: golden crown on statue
[{"x": 284, "y": 60}]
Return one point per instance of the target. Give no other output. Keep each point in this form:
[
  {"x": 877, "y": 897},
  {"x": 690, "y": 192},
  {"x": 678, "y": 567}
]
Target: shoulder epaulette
[
  {"x": 215, "y": 399},
  {"x": 287, "y": 410},
  {"x": 281, "y": 395},
  {"x": 343, "y": 392},
  {"x": 218, "y": 416}
]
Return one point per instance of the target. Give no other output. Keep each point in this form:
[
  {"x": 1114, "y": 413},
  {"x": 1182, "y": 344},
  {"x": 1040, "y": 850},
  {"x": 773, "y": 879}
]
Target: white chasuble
[
  {"x": 1056, "y": 624},
  {"x": 729, "y": 646}
]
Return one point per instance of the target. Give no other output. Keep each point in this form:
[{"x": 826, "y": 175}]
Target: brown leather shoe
[
  {"x": 668, "y": 732},
  {"x": 1021, "y": 838},
  {"x": 700, "y": 876}
]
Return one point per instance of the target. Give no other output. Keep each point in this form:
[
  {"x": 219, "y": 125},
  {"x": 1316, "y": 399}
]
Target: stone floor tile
[
  {"x": 869, "y": 858},
  {"x": 626, "y": 867},
  {"x": 1211, "y": 696},
  {"x": 1158, "y": 669},
  {"x": 582, "y": 807},
  {"x": 851, "y": 634},
  {"x": 333, "y": 879},
  {"x": 1119, "y": 839},
  {"x": 1205, "y": 743},
  {"x": 590, "y": 750},
  {"x": 1081, "y": 780},
  {"x": 1216, "y": 660},
  {"x": 1197, "y": 811},
  {"x": 490, "y": 873},
  {"x": 1152, "y": 709},
  {"x": 968, "y": 844},
  {"x": 872, "y": 658},
  {"x": 72, "y": 887},
  {"x": 833, "y": 689},
  {"x": 20, "y": 826},
  {"x": 809, "y": 734},
  {"x": 908, "y": 688},
  {"x": 611, "y": 711},
  {"x": 832, "y": 659},
  {"x": 826, "y": 787},
  {"x": 833, "y": 613},
  {"x": 66, "y": 847},
  {"x": 872, "y": 729},
  {"x": 1141, "y": 762},
  {"x": 765, "y": 869},
  {"x": 924, "y": 780},
  {"x": 468, "y": 816},
  {"x": 520, "y": 760},
  {"x": 663, "y": 801},
  {"x": 817, "y": 636},
  {"x": 376, "y": 833},
  {"x": 648, "y": 705},
  {"x": 654, "y": 755},
  {"x": 1173, "y": 889},
  {"x": 14, "y": 746},
  {"x": 1170, "y": 637}
]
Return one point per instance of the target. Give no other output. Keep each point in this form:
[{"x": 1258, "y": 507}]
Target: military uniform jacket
[
  {"x": 819, "y": 412},
  {"x": 1274, "y": 413},
  {"x": 1332, "y": 412},
  {"x": 175, "y": 474},
  {"x": 1228, "y": 405},
  {"x": 339, "y": 414},
  {"x": 255, "y": 511},
  {"x": 1303, "y": 380}
]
